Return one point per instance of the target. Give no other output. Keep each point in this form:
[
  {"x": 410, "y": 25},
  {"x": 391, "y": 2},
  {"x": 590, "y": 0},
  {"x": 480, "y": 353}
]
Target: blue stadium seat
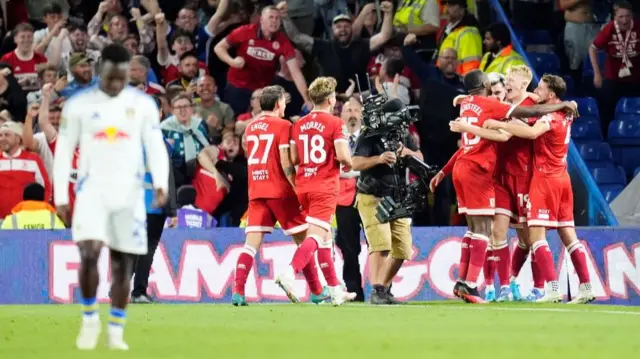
[
  {"x": 626, "y": 156},
  {"x": 610, "y": 192},
  {"x": 537, "y": 37},
  {"x": 596, "y": 154},
  {"x": 628, "y": 105},
  {"x": 586, "y": 131},
  {"x": 587, "y": 70},
  {"x": 587, "y": 106},
  {"x": 625, "y": 130},
  {"x": 570, "y": 85},
  {"x": 544, "y": 63},
  {"x": 609, "y": 175},
  {"x": 586, "y": 118}
]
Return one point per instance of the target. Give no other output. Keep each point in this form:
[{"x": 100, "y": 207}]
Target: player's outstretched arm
[
  {"x": 528, "y": 132},
  {"x": 68, "y": 138},
  {"x": 157, "y": 155},
  {"x": 491, "y": 135},
  {"x": 541, "y": 110}
]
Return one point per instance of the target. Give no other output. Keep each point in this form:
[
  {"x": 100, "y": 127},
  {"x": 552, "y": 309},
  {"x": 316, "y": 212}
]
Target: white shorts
[{"x": 120, "y": 226}]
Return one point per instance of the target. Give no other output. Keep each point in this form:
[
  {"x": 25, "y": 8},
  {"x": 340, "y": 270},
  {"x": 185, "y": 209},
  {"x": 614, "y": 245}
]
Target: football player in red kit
[
  {"x": 473, "y": 168},
  {"x": 550, "y": 193},
  {"x": 271, "y": 194},
  {"x": 319, "y": 146}
]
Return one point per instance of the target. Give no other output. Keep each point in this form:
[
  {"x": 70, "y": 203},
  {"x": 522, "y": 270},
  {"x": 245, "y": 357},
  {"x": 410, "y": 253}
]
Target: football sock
[
  {"x": 326, "y": 266},
  {"x": 579, "y": 259},
  {"x": 89, "y": 307},
  {"x": 544, "y": 260},
  {"x": 489, "y": 267},
  {"x": 304, "y": 253},
  {"x": 502, "y": 262},
  {"x": 464, "y": 256},
  {"x": 538, "y": 279},
  {"x": 518, "y": 258},
  {"x": 243, "y": 267},
  {"x": 477, "y": 253},
  {"x": 310, "y": 272},
  {"x": 117, "y": 318}
]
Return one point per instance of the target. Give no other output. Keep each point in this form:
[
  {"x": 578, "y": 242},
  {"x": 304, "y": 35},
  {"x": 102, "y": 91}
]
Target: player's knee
[{"x": 89, "y": 253}]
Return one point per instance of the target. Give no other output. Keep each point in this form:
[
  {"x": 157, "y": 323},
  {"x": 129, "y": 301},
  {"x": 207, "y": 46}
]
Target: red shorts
[
  {"x": 551, "y": 202},
  {"x": 474, "y": 189},
  {"x": 319, "y": 207},
  {"x": 263, "y": 213},
  {"x": 512, "y": 197}
]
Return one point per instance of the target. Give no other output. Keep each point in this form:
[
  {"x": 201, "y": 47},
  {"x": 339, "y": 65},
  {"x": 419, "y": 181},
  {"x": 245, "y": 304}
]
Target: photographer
[{"x": 378, "y": 178}]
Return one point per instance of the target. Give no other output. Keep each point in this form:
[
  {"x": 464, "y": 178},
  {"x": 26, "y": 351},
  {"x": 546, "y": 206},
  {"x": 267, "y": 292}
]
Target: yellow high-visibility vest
[
  {"x": 409, "y": 13},
  {"x": 38, "y": 219},
  {"x": 467, "y": 42},
  {"x": 506, "y": 58}
]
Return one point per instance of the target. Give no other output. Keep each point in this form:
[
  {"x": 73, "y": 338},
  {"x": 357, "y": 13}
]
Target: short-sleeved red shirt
[
  {"x": 265, "y": 137},
  {"x": 608, "y": 41},
  {"x": 25, "y": 70},
  {"x": 475, "y": 110},
  {"x": 550, "y": 150},
  {"x": 315, "y": 136},
  {"x": 261, "y": 56},
  {"x": 407, "y": 78}
]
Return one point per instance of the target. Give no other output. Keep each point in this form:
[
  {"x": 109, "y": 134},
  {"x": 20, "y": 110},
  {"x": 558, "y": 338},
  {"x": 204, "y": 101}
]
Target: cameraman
[{"x": 378, "y": 178}]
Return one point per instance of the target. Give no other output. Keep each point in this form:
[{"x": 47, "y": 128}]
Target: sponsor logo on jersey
[
  {"x": 260, "y": 53},
  {"x": 111, "y": 134}
]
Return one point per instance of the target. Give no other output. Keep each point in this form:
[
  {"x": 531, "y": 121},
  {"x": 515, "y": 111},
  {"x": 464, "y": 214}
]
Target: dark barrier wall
[{"x": 198, "y": 266}]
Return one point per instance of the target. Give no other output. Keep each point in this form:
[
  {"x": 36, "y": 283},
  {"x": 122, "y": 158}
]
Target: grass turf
[{"x": 426, "y": 330}]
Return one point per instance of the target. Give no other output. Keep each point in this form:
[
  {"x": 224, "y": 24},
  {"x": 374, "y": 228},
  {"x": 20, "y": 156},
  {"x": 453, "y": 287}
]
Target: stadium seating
[
  {"x": 628, "y": 105},
  {"x": 587, "y": 70},
  {"x": 609, "y": 175},
  {"x": 587, "y": 106},
  {"x": 544, "y": 63},
  {"x": 571, "y": 88},
  {"x": 596, "y": 155},
  {"x": 536, "y": 37},
  {"x": 610, "y": 192},
  {"x": 625, "y": 131},
  {"x": 592, "y": 118},
  {"x": 586, "y": 131}
]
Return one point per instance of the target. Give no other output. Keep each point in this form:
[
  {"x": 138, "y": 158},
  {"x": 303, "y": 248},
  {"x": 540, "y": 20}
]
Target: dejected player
[
  {"x": 550, "y": 193},
  {"x": 271, "y": 194},
  {"x": 319, "y": 146},
  {"x": 112, "y": 125},
  {"x": 473, "y": 168}
]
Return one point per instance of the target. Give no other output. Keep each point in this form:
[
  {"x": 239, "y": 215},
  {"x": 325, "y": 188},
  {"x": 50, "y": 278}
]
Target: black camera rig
[{"x": 390, "y": 119}]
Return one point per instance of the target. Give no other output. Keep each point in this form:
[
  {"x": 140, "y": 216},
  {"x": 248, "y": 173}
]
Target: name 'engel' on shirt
[
  {"x": 260, "y": 126},
  {"x": 471, "y": 107},
  {"x": 312, "y": 125}
]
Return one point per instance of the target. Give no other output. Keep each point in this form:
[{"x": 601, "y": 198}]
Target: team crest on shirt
[
  {"x": 276, "y": 45},
  {"x": 130, "y": 112}
]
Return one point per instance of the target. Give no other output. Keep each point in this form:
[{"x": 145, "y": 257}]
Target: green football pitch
[{"x": 426, "y": 330}]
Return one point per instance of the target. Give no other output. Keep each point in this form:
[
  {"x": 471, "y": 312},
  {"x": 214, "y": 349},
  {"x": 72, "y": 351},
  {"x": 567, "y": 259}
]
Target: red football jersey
[
  {"x": 315, "y": 136},
  {"x": 610, "y": 42},
  {"x": 25, "y": 70},
  {"x": 550, "y": 150},
  {"x": 515, "y": 156},
  {"x": 265, "y": 137},
  {"x": 261, "y": 56},
  {"x": 475, "y": 110}
]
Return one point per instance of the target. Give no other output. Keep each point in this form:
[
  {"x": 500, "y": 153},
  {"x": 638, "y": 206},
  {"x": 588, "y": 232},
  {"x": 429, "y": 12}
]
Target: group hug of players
[{"x": 511, "y": 169}]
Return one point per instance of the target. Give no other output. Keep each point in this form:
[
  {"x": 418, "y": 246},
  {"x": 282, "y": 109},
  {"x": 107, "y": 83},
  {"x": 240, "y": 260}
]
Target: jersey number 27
[{"x": 255, "y": 142}]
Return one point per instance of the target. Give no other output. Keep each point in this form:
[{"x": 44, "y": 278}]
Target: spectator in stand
[
  {"x": 190, "y": 216},
  {"x": 283, "y": 78},
  {"x": 22, "y": 168},
  {"x": 12, "y": 98},
  {"x": 118, "y": 28},
  {"x": 302, "y": 13},
  {"x": 258, "y": 50},
  {"x": 444, "y": 72},
  {"x": 47, "y": 74},
  {"x": 500, "y": 54},
  {"x": 326, "y": 11},
  {"x": 188, "y": 73},
  {"x": 233, "y": 165},
  {"x": 186, "y": 134},
  {"x": 461, "y": 34},
  {"x": 579, "y": 31},
  {"x": 211, "y": 186},
  {"x": 364, "y": 26},
  {"x": 344, "y": 55},
  {"x": 139, "y": 72},
  {"x": 43, "y": 38},
  {"x": 180, "y": 43},
  {"x": 43, "y": 142},
  {"x": 471, "y": 9},
  {"x": 254, "y": 108},
  {"x": 24, "y": 59},
  {"x": 217, "y": 114},
  {"x": 392, "y": 49},
  {"x": 421, "y": 18},
  {"x": 619, "y": 39},
  {"x": 82, "y": 70},
  {"x": 33, "y": 212},
  {"x": 76, "y": 34}
]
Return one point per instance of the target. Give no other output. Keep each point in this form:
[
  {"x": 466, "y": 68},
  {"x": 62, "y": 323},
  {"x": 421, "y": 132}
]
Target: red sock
[
  {"x": 579, "y": 259},
  {"x": 310, "y": 272},
  {"x": 544, "y": 260},
  {"x": 477, "y": 253},
  {"x": 489, "y": 267},
  {"x": 243, "y": 267},
  {"x": 518, "y": 258},
  {"x": 538, "y": 280},
  {"x": 304, "y": 254},
  {"x": 463, "y": 267},
  {"x": 326, "y": 266},
  {"x": 503, "y": 265}
]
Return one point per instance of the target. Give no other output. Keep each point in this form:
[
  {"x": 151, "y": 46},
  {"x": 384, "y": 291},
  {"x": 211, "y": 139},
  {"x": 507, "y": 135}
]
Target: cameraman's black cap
[{"x": 474, "y": 80}]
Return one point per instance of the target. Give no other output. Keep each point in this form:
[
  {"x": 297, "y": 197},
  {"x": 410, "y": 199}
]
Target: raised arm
[
  {"x": 387, "y": 27},
  {"x": 358, "y": 23},
  {"x": 216, "y": 19},
  {"x": 56, "y": 48},
  {"x": 423, "y": 70},
  {"x": 161, "y": 39},
  {"x": 41, "y": 47},
  {"x": 298, "y": 79},
  {"x": 46, "y": 127},
  {"x": 68, "y": 138},
  {"x": 27, "y": 133},
  {"x": 302, "y": 41}
]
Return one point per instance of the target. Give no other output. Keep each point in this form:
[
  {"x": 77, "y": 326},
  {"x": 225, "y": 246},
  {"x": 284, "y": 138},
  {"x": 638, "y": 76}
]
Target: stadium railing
[{"x": 590, "y": 206}]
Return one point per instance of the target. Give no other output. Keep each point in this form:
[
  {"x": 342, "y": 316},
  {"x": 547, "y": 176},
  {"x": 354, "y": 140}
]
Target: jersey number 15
[{"x": 466, "y": 141}]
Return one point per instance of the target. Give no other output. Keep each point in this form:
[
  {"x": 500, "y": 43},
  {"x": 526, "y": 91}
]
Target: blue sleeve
[
  {"x": 205, "y": 131},
  {"x": 423, "y": 70},
  {"x": 203, "y": 40},
  {"x": 151, "y": 76}
]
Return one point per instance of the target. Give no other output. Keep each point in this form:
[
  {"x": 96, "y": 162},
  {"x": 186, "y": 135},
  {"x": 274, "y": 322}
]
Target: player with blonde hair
[{"x": 318, "y": 147}]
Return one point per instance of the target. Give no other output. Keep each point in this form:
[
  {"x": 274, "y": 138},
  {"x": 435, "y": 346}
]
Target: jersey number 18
[{"x": 313, "y": 149}]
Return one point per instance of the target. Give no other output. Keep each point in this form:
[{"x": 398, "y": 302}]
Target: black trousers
[
  {"x": 142, "y": 266},
  {"x": 348, "y": 240}
]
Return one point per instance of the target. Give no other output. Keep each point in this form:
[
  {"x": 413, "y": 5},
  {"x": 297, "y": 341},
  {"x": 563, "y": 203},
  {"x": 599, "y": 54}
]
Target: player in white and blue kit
[{"x": 112, "y": 124}]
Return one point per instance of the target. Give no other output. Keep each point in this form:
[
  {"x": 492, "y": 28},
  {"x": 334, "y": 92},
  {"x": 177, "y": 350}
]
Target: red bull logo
[{"x": 110, "y": 134}]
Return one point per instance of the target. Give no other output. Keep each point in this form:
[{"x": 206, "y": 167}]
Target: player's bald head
[{"x": 475, "y": 81}]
